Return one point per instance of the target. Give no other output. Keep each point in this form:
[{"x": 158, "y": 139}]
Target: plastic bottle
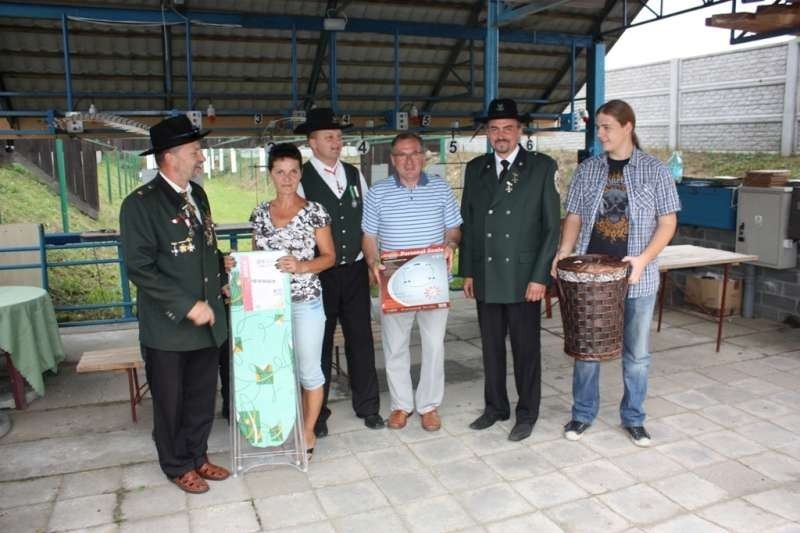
[{"x": 675, "y": 164}]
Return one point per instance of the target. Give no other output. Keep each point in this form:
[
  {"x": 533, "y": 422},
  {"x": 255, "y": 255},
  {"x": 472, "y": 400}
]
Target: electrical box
[
  {"x": 74, "y": 122},
  {"x": 761, "y": 226},
  {"x": 196, "y": 118},
  {"x": 401, "y": 121}
]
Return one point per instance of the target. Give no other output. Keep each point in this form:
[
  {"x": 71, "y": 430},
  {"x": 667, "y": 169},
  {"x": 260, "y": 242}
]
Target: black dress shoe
[
  {"x": 486, "y": 420},
  {"x": 321, "y": 429},
  {"x": 374, "y": 421},
  {"x": 521, "y": 430}
]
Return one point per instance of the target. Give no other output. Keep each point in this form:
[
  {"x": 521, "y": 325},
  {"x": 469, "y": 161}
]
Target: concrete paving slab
[
  {"x": 340, "y": 500},
  {"x": 640, "y": 504},
  {"x": 549, "y": 490},
  {"x": 385, "y": 520},
  {"x": 524, "y": 524},
  {"x": 154, "y": 501},
  {"x": 289, "y": 510},
  {"x": 336, "y": 472},
  {"x": 403, "y": 487},
  {"x": 493, "y": 503},
  {"x": 176, "y": 522},
  {"x": 588, "y": 515},
  {"x": 740, "y": 516},
  {"x": 91, "y": 482},
  {"x": 26, "y": 518},
  {"x": 646, "y": 465},
  {"x": 236, "y": 517},
  {"x": 29, "y": 492},
  {"x": 686, "y": 524},
  {"x": 518, "y": 464},
  {"x": 784, "y": 502},
  {"x": 276, "y": 481},
  {"x": 435, "y": 515},
  {"x": 83, "y": 512},
  {"x": 466, "y": 474},
  {"x": 690, "y": 490},
  {"x": 599, "y": 476}
]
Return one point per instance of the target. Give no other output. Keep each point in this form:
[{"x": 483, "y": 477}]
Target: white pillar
[
  {"x": 674, "y": 102},
  {"x": 789, "y": 122},
  {"x": 234, "y": 163},
  {"x": 207, "y": 162},
  {"x": 221, "y": 153},
  {"x": 262, "y": 159}
]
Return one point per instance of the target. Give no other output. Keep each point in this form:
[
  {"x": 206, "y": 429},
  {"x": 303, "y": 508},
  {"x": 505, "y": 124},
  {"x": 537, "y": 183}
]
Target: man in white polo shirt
[{"x": 411, "y": 210}]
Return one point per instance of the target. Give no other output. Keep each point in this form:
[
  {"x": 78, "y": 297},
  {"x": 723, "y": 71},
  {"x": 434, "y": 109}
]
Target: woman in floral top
[{"x": 290, "y": 223}]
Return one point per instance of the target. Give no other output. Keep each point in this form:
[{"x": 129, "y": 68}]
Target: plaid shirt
[{"x": 651, "y": 194}]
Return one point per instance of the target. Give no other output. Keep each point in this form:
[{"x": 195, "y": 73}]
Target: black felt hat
[
  {"x": 321, "y": 118},
  {"x": 173, "y": 131},
  {"x": 504, "y": 108}
]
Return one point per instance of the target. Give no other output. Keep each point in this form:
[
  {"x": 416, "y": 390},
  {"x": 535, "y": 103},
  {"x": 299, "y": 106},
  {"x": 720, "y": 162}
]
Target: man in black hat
[
  {"x": 511, "y": 217},
  {"x": 341, "y": 188},
  {"x": 171, "y": 255}
]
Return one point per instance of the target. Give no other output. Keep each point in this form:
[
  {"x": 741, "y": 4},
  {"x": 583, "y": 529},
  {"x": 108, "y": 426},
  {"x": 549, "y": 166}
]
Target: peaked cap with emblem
[
  {"x": 173, "y": 131},
  {"x": 503, "y": 108},
  {"x": 321, "y": 118}
]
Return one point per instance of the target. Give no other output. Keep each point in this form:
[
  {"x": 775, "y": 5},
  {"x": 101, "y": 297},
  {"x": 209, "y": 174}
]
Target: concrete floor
[{"x": 725, "y": 456}]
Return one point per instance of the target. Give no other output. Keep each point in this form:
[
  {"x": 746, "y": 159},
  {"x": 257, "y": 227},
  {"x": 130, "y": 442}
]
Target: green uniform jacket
[
  {"x": 511, "y": 229},
  {"x": 171, "y": 269}
]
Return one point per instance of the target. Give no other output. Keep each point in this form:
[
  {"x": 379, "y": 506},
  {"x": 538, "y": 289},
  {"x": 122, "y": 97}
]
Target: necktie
[
  {"x": 190, "y": 209},
  {"x": 503, "y": 172}
]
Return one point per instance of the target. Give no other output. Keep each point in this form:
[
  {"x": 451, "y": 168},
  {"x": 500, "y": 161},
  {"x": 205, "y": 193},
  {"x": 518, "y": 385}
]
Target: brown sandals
[
  {"x": 191, "y": 482},
  {"x": 212, "y": 472}
]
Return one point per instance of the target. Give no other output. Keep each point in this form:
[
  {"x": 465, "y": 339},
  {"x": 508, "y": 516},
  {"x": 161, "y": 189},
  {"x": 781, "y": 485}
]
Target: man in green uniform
[
  {"x": 511, "y": 217},
  {"x": 171, "y": 255}
]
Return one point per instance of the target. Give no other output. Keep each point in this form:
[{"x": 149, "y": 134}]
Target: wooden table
[{"x": 690, "y": 256}]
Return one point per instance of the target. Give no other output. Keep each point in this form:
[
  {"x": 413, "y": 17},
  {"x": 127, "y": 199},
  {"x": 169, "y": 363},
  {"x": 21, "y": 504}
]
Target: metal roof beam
[
  {"x": 319, "y": 56},
  {"x": 572, "y": 62},
  {"x": 283, "y": 22},
  {"x": 452, "y": 56},
  {"x": 508, "y": 15}
]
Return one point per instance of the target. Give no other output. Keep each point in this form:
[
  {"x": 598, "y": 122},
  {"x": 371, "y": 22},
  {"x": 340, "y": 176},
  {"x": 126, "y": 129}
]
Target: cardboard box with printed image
[{"x": 705, "y": 290}]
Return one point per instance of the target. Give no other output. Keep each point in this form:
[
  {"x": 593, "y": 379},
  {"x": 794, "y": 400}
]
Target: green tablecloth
[{"x": 29, "y": 332}]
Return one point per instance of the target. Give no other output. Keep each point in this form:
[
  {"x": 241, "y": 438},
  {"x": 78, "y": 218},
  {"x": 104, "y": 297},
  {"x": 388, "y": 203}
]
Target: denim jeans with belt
[{"x": 635, "y": 365}]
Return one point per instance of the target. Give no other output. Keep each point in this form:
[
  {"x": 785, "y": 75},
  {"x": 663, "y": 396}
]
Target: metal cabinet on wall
[{"x": 761, "y": 226}]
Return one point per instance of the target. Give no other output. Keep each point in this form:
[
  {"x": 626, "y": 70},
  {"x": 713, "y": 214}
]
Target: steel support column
[
  {"x": 396, "y": 74},
  {"x": 294, "y": 68},
  {"x": 189, "y": 95},
  {"x": 166, "y": 46},
  {"x": 61, "y": 171},
  {"x": 491, "y": 54},
  {"x": 595, "y": 92},
  {"x": 67, "y": 62},
  {"x": 333, "y": 90}
]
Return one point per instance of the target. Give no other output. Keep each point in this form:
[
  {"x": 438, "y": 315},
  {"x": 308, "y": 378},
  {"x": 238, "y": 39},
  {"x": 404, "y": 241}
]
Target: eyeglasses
[{"x": 408, "y": 156}]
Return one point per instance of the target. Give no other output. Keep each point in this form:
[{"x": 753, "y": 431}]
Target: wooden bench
[{"x": 128, "y": 359}]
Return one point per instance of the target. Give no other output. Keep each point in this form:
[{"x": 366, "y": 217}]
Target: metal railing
[{"x": 76, "y": 241}]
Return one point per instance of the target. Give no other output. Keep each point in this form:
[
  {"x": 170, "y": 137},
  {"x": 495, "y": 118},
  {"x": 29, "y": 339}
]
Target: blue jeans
[
  {"x": 308, "y": 328},
  {"x": 635, "y": 364}
]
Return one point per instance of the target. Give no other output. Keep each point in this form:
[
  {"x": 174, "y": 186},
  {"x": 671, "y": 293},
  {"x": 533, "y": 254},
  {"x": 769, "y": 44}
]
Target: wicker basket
[{"x": 592, "y": 290}]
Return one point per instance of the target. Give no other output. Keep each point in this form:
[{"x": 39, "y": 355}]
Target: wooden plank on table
[{"x": 111, "y": 359}]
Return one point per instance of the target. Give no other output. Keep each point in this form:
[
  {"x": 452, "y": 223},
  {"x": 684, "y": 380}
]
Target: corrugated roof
[{"x": 243, "y": 70}]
